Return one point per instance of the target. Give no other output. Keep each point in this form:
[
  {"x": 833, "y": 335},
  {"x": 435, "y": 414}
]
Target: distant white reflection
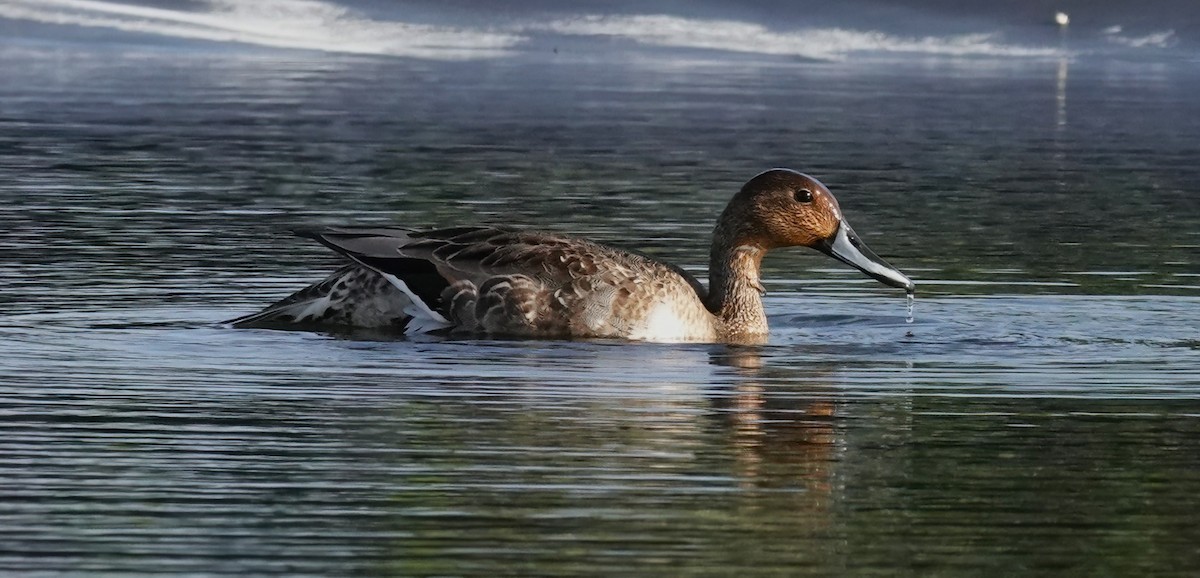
[
  {"x": 297, "y": 24},
  {"x": 1060, "y": 93}
]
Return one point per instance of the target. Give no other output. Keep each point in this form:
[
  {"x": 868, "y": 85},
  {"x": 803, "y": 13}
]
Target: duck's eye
[{"x": 803, "y": 196}]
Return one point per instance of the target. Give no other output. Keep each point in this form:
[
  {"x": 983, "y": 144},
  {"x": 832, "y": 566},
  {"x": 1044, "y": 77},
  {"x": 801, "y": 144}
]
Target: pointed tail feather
[{"x": 352, "y": 296}]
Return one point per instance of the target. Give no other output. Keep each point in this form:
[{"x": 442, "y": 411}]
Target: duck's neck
[{"x": 734, "y": 290}]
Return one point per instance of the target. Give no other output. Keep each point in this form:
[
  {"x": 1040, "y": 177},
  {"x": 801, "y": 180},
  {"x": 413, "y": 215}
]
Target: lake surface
[{"x": 1041, "y": 416}]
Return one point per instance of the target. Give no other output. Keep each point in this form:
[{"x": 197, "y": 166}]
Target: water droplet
[{"x": 911, "y": 299}]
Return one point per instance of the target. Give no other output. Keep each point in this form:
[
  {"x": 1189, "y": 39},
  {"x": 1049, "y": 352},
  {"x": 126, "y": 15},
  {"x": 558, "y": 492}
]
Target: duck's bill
[{"x": 846, "y": 247}]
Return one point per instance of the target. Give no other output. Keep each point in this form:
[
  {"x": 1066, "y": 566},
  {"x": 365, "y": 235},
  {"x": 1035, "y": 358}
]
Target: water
[{"x": 1041, "y": 415}]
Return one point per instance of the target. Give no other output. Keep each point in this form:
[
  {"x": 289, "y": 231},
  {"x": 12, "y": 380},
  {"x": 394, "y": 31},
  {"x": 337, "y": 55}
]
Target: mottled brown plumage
[{"x": 503, "y": 281}]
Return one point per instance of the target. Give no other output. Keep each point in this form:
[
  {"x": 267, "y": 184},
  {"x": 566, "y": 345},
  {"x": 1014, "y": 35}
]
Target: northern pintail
[{"x": 504, "y": 281}]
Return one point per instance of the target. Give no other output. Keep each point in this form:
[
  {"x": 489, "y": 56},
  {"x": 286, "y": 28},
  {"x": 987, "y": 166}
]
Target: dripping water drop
[{"x": 911, "y": 298}]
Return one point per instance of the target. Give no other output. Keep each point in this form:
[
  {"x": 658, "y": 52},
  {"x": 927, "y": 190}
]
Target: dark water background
[{"x": 1041, "y": 416}]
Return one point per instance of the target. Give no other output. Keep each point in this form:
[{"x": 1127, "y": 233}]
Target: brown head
[{"x": 784, "y": 208}]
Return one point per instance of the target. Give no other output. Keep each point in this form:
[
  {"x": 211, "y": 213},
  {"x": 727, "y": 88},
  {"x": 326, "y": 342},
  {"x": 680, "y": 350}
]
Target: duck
[{"x": 504, "y": 281}]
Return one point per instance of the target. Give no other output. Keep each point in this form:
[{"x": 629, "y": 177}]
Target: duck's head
[{"x": 784, "y": 208}]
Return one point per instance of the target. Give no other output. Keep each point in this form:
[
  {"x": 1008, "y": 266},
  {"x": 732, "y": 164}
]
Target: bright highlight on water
[{"x": 346, "y": 28}]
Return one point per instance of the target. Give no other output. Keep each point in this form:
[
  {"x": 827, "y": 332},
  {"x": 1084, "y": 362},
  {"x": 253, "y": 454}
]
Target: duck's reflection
[
  {"x": 782, "y": 436},
  {"x": 705, "y": 452}
]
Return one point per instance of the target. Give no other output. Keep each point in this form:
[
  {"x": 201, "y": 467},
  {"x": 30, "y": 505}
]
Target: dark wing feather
[{"x": 378, "y": 250}]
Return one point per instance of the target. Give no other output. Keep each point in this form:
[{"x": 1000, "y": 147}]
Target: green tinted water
[{"x": 1040, "y": 415}]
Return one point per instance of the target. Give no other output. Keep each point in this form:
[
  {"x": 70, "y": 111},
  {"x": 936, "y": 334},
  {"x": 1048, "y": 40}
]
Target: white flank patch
[
  {"x": 424, "y": 319},
  {"x": 662, "y": 324}
]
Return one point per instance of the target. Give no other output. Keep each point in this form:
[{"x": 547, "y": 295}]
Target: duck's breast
[
  {"x": 674, "y": 321},
  {"x": 634, "y": 305}
]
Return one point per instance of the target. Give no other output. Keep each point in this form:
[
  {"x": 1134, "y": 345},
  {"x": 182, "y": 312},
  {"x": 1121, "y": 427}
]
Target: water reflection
[{"x": 1060, "y": 95}]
